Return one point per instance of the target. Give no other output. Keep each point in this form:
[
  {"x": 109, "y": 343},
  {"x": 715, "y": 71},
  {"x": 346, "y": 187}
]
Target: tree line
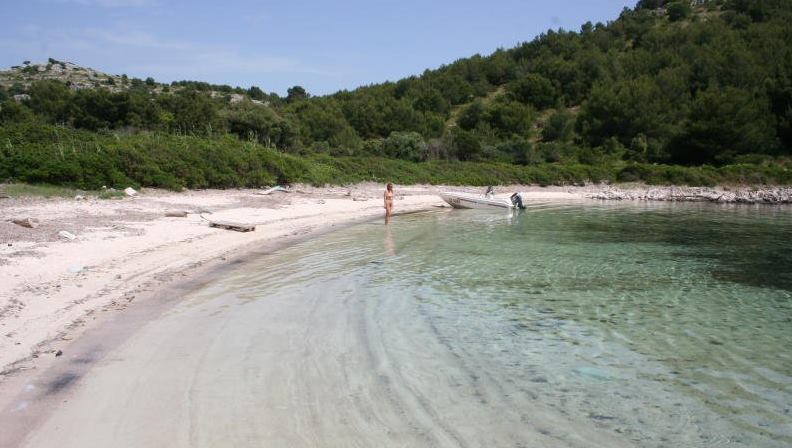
[{"x": 663, "y": 83}]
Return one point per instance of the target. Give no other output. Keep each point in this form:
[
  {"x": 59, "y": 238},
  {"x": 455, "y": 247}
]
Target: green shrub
[{"x": 45, "y": 154}]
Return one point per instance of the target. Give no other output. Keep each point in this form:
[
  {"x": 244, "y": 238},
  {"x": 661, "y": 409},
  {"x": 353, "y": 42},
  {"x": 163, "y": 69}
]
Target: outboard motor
[{"x": 516, "y": 200}]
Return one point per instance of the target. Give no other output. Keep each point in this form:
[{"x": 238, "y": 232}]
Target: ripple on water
[{"x": 668, "y": 324}]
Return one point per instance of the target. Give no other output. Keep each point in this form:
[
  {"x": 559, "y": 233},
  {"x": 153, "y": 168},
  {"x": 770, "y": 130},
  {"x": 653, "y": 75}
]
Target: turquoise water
[
  {"x": 578, "y": 325},
  {"x": 668, "y": 324}
]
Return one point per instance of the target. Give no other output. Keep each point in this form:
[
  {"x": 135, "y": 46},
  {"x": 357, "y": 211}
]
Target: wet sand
[{"x": 309, "y": 361}]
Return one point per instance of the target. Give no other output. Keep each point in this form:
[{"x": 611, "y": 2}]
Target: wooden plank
[{"x": 236, "y": 226}]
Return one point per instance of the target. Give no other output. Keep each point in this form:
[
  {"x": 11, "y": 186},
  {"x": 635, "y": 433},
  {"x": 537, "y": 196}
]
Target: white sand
[{"x": 49, "y": 286}]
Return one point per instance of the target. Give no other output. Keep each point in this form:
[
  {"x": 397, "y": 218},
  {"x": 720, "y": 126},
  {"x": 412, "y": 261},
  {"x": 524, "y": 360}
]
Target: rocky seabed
[{"x": 768, "y": 195}]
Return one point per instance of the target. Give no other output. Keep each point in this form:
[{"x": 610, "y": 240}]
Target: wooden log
[
  {"x": 30, "y": 223},
  {"x": 236, "y": 226}
]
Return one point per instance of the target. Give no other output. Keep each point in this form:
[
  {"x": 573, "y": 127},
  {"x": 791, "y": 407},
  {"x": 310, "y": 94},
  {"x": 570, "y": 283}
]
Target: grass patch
[
  {"x": 110, "y": 194},
  {"x": 19, "y": 190}
]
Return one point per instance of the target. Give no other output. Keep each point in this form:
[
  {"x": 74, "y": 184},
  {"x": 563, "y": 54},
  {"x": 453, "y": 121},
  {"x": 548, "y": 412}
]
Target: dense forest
[{"x": 705, "y": 84}]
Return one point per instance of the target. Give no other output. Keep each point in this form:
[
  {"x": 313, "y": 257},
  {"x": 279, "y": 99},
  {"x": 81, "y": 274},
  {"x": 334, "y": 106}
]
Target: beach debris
[
  {"x": 274, "y": 189},
  {"x": 79, "y": 197},
  {"x": 75, "y": 269},
  {"x": 67, "y": 235},
  {"x": 177, "y": 213},
  {"x": 320, "y": 201},
  {"x": 129, "y": 191},
  {"x": 58, "y": 353},
  {"x": 30, "y": 223},
  {"x": 360, "y": 198},
  {"x": 235, "y": 226}
]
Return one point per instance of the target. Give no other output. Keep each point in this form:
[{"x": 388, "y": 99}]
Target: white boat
[{"x": 469, "y": 200}]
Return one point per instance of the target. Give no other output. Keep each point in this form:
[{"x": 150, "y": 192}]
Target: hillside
[
  {"x": 691, "y": 83},
  {"x": 24, "y": 75},
  {"x": 19, "y": 79}
]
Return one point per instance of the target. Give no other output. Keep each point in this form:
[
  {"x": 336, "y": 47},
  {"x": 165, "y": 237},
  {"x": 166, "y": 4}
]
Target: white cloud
[{"x": 134, "y": 39}]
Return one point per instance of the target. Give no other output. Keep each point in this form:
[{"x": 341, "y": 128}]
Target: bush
[
  {"x": 406, "y": 146},
  {"x": 44, "y": 154},
  {"x": 534, "y": 89},
  {"x": 678, "y": 11}
]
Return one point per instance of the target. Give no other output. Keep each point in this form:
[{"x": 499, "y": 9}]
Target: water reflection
[{"x": 388, "y": 244}]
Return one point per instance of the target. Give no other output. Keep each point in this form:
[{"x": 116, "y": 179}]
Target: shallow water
[{"x": 564, "y": 325}]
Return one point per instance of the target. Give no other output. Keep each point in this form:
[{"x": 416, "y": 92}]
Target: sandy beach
[
  {"x": 123, "y": 249},
  {"x": 126, "y": 257},
  {"x": 68, "y": 303},
  {"x": 53, "y": 286}
]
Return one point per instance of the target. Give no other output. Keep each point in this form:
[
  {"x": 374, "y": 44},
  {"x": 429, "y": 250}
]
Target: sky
[{"x": 324, "y": 46}]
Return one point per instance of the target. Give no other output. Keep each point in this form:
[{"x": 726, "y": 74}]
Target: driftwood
[
  {"x": 274, "y": 189},
  {"x": 236, "y": 226},
  {"x": 30, "y": 223},
  {"x": 176, "y": 213}
]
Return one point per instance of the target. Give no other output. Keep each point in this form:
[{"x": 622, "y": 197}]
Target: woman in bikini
[{"x": 388, "y": 202}]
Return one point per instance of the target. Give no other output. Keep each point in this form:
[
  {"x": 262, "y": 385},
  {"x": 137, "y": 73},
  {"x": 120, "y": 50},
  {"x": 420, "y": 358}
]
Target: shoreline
[
  {"x": 51, "y": 380},
  {"x": 125, "y": 250},
  {"x": 53, "y": 287},
  {"x": 134, "y": 263},
  {"x": 721, "y": 195}
]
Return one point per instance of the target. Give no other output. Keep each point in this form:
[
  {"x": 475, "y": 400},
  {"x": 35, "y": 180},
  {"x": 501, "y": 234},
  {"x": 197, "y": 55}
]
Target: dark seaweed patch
[{"x": 62, "y": 382}]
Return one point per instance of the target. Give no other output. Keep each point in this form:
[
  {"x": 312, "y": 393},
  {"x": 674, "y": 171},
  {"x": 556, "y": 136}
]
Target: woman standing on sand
[{"x": 388, "y": 201}]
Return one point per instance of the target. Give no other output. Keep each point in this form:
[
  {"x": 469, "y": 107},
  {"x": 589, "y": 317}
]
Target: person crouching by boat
[
  {"x": 388, "y": 201},
  {"x": 490, "y": 192}
]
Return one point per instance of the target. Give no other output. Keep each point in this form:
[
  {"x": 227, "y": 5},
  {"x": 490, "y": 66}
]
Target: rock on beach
[{"x": 767, "y": 195}]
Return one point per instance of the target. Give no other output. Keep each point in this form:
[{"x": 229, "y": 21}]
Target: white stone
[{"x": 67, "y": 235}]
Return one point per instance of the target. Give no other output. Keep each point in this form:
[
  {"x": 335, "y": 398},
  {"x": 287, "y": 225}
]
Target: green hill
[{"x": 687, "y": 83}]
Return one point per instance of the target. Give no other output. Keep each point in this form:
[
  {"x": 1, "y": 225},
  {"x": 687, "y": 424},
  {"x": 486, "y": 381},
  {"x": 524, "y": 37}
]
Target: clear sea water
[
  {"x": 666, "y": 324},
  {"x": 566, "y": 325}
]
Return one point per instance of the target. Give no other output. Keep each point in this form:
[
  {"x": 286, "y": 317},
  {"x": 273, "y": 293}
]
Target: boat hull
[{"x": 466, "y": 200}]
